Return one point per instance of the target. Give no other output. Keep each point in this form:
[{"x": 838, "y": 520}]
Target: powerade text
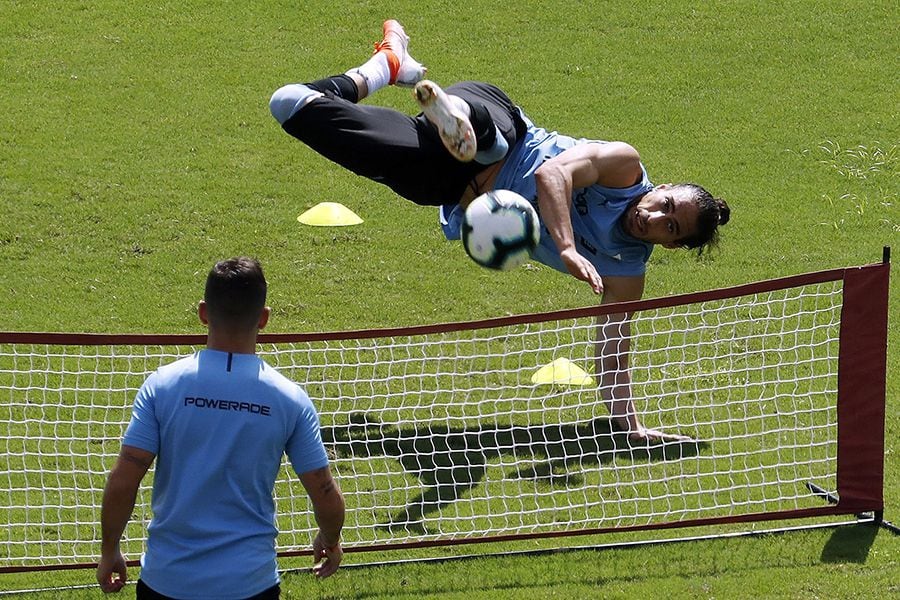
[{"x": 232, "y": 405}]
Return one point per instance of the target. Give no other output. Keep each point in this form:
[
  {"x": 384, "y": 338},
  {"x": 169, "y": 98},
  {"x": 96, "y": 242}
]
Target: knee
[
  {"x": 289, "y": 99},
  {"x": 494, "y": 151},
  {"x": 492, "y": 146}
]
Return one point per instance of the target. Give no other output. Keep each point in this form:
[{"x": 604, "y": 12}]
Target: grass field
[{"x": 136, "y": 148}]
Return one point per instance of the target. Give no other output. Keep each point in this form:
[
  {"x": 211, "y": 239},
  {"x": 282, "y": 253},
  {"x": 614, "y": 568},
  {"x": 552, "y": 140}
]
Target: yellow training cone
[
  {"x": 329, "y": 214},
  {"x": 562, "y": 371}
]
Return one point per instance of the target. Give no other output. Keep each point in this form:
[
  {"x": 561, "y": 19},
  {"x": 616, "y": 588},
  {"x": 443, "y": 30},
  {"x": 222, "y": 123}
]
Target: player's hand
[
  {"x": 112, "y": 573},
  {"x": 327, "y": 558},
  {"x": 653, "y": 436},
  {"x": 581, "y": 268}
]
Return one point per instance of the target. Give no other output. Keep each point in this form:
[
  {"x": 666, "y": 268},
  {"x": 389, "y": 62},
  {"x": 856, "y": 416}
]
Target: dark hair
[
  {"x": 713, "y": 212},
  {"x": 235, "y": 293}
]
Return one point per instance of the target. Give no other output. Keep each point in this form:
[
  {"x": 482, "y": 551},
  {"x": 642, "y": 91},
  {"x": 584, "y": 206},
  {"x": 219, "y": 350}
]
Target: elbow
[
  {"x": 547, "y": 175},
  {"x": 550, "y": 182}
]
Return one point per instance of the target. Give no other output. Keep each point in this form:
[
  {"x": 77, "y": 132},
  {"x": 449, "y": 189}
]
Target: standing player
[
  {"x": 218, "y": 423},
  {"x": 599, "y": 212}
]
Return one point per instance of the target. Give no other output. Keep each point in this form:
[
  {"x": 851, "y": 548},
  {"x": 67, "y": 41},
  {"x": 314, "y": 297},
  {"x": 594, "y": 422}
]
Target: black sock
[
  {"x": 483, "y": 124},
  {"x": 341, "y": 86}
]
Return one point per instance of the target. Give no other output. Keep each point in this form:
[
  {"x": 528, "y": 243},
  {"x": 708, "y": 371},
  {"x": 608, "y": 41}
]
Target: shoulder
[
  {"x": 185, "y": 363},
  {"x": 287, "y": 388},
  {"x": 169, "y": 374},
  {"x": 621, "y": 165},
  {"x": 622, "y": 151},
  {"x": 608, "y": 164}
]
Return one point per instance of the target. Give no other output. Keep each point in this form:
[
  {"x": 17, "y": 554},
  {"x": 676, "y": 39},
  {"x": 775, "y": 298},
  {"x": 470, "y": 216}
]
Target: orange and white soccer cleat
[{"x": 405, "y": 70}]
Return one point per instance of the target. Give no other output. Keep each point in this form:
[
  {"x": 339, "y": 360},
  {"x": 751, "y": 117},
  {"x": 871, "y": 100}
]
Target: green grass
[{"x": 136, "y": 148}]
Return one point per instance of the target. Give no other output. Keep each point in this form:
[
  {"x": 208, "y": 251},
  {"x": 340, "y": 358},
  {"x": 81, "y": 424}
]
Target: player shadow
[{"x": 451, "y": 461}]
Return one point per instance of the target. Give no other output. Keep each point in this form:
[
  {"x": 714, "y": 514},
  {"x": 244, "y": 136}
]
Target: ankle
[{"x": 374, "y": 74}]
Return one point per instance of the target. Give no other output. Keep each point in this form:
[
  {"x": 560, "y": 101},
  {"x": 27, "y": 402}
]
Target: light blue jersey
[
  {"x": 219, "y": 424},
  {"x": 595, "y": 210}
]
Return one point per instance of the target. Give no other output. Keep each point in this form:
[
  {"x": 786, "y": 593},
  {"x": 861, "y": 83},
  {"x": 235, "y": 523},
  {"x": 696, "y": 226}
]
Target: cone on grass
[
  {"x": 329, "y": 214},
  {"x": 561, "y": 371}
]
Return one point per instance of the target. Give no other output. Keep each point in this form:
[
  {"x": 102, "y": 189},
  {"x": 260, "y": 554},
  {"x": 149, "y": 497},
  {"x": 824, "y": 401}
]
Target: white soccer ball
[{"x": 500, "y": 229}]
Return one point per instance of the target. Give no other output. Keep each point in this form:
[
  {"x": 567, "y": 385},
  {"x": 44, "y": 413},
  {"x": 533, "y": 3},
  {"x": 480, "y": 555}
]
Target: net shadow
[{"x": 451, "y": 461}]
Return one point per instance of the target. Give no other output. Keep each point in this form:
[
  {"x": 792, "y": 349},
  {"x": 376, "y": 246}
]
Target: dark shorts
[
  {"x": 402, "y": 152},
  {"x": 145, "y": 592}
]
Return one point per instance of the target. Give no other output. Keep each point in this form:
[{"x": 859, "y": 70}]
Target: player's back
[{"x": 224, "y": 421}]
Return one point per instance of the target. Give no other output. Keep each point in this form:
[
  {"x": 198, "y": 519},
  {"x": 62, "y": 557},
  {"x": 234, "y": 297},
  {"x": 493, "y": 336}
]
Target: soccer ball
[{"x": 500, "y": 229}]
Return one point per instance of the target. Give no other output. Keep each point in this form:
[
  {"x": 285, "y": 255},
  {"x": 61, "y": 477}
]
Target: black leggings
[{"x": 402, "y": 152}]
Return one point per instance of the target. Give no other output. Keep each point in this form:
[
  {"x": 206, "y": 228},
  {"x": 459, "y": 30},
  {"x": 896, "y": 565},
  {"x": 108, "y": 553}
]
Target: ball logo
[{"x": 500, "y": 229}]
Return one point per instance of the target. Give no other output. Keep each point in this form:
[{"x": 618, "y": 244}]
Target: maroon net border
[
  {"x": 862, "y": 369},
  {"x": 97, "y": 339}
]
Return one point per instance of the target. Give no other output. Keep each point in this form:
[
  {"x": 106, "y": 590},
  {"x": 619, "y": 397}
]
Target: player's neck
[{"x": 242, "y": 344}]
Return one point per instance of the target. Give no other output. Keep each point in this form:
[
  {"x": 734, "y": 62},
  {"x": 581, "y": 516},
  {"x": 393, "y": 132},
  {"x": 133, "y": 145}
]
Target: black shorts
[
  {"x": 145, "y": 592},
  {"x": 402, "y": 152}
]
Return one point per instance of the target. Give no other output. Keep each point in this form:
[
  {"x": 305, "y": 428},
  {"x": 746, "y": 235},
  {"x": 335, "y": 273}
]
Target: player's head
[
  {"x": 711, "y": 212},
  {"x": 235, "y": 295},
  {"x": 684, "y": 215}
]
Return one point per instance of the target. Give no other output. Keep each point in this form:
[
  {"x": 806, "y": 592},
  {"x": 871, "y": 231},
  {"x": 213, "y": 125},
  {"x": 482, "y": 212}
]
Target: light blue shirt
[
  {"x": 596, "y": 210},
  {"x": 219, "y": 424}
]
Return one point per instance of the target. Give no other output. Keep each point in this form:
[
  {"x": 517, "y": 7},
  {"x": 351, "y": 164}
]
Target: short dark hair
[
  {"x": 713, "y": 212},
  {"x": 235, "y": 293}
]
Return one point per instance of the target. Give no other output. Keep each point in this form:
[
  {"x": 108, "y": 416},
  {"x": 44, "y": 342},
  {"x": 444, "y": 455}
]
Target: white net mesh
[{"x": 438, "y": 436}]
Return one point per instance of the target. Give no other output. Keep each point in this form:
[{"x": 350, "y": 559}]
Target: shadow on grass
[
  {"x": 451, "y": 461},
  {"x": 850, "y": 544}
]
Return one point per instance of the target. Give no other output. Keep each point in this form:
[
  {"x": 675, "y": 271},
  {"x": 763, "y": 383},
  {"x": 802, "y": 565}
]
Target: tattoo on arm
[
  {"x": 325, "y": 480},
  {"x": 137, "y": 460}
]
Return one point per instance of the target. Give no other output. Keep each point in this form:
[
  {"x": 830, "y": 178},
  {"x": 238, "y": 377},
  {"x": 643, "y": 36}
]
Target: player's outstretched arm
[
  {"x": 612, "y": 363},
  {"x": 613, "y": 164}
]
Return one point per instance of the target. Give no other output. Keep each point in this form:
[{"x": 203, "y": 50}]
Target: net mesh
[{"x": 444, "y": 435}]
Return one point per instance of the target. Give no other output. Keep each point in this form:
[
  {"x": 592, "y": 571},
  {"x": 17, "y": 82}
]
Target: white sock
[{"x": 375, "y": 71}]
